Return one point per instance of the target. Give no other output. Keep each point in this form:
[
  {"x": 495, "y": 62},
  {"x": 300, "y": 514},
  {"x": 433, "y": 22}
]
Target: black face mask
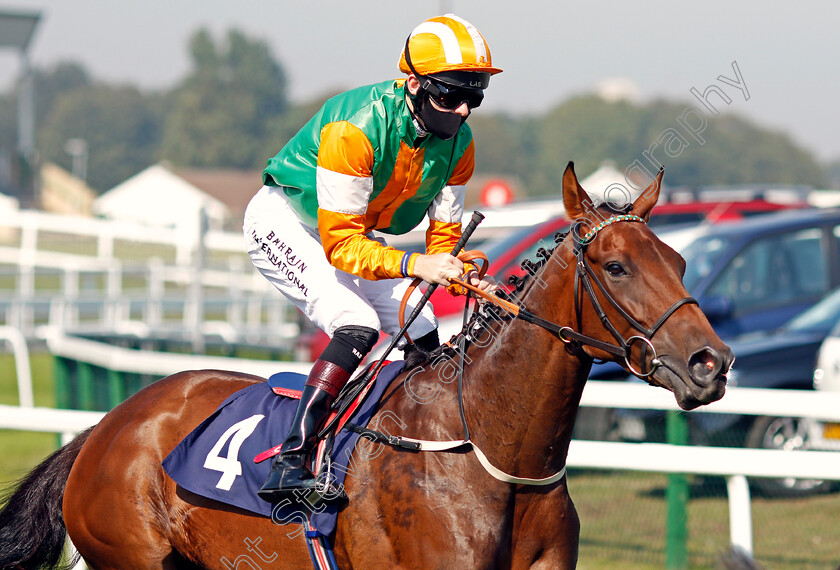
[{"x": 442, "y": 124}]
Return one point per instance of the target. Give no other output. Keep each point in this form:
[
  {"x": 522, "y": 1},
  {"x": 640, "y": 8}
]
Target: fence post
[
  {"x": 155, "y": 291},
  {"x": 676, "y": 532},
  {"x": 113, "y": 285},
  {"x": 740, "y": 516},
  {"x": 196, "y": 292},
  {"x": 70, "y": 288},
  {"x": 20, "y": 351},
  {"x": 236, "y": 306}
]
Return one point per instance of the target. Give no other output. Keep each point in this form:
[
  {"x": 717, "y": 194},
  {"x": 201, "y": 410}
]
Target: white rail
[
  {"x": 734, "y": 464},
  {"x": 31, "y": 224},
  {"x": 752, "y": 401},
  {"x": 91, "y": 288},
  {"x": 20, "y": 352},
  {"x": 161, "y": 363}
]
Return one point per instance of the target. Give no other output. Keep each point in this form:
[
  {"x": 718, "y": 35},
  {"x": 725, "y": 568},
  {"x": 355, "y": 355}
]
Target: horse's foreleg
[{"x": 548, "y": 533}]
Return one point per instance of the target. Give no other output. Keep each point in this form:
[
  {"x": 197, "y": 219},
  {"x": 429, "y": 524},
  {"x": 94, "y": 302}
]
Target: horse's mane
[{"x": 491, "y": 317}]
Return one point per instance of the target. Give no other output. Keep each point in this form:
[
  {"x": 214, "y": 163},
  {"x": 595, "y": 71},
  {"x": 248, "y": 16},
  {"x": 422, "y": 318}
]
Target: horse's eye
[{"x": 615, "y": 269}]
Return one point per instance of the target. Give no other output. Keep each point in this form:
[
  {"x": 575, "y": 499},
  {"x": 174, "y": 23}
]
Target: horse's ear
[
  {"x": 647, "y": 199},
  {"x": 573, "y": 194}
]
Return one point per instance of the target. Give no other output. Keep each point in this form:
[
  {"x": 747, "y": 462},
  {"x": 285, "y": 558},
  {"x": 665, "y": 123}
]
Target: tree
[
  {"x": 586, "y": 130},
  {"x": 589, "y": 130},
  {"x": 121, "y": 126},
  {"x": 502, "y": 144},
  {"x": 62, "y": 78},
  {"x": 223, "y": 110}
]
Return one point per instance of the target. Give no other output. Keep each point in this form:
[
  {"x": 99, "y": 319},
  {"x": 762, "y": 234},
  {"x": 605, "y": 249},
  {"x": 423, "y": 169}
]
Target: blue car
[
  {"x": 756, "y": 274},
  {"x": 783, "y": 359},
  {"x": 749, "y": 276}
]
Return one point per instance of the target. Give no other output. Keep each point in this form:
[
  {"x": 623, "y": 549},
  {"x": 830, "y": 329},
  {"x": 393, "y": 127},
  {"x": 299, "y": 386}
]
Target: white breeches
[{"x": 289, "y": 254}]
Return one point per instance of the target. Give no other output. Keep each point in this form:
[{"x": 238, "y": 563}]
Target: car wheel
[{"x": 787, "y": 434}]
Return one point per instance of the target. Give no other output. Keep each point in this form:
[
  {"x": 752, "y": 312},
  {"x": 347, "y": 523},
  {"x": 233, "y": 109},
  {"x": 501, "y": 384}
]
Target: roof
[
  {"x": 157, "y": 196},
  {"x": 64, "y": 193},
  {"x": 233, "y": 188},
  {"x": 9, "y": 203},
  {"x": 770, "y": 222}
]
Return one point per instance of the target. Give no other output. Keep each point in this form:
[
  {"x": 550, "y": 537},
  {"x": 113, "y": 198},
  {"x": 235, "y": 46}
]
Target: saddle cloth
[{"x": 224, "y": 457}]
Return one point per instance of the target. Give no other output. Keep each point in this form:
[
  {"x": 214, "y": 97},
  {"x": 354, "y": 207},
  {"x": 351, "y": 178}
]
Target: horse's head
[{"x": 629, "y": 281}]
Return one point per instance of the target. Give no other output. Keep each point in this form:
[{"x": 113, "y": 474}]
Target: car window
[
  {"x": 701, "y": 256},
  {"x": 774, "y": 271},
  {"x": 660, "y": 220},
  {"x": 819, "y": 318}
]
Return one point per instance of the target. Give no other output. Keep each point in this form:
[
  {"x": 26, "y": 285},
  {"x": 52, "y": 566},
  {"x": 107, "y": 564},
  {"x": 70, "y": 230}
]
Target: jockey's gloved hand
[{"x": 438, "y": 268}]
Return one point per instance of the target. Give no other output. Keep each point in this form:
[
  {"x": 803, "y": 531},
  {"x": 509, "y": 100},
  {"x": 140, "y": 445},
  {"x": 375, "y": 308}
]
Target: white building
[{"x": 158, "y": 197}]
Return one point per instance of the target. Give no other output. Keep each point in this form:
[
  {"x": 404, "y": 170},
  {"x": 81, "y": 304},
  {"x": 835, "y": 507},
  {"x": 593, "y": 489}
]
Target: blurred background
[{"x": 132, "y": 136}]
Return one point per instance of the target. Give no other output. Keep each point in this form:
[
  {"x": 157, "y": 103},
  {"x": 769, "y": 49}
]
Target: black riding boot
[
  {"x": 290, "y": 471},
  {"x": 290, "y": 476}
]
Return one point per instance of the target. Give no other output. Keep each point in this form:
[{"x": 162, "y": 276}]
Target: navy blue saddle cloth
[{"x": 225, "y": 457}]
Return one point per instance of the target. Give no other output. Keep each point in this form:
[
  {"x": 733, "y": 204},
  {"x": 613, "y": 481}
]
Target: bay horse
[{"x": 519, "y": 396}]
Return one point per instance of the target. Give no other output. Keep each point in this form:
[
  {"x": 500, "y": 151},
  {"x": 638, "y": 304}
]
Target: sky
[{"x": 781, "y": 58}]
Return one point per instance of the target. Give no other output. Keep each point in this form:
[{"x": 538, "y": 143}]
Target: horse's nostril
[{"x": 705, "y": 364}]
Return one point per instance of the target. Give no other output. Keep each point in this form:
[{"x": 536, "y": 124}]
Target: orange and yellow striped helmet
[{"x": 447, "y": 44}]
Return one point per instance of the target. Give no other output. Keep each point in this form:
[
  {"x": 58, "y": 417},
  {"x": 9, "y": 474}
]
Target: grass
[
  {"x": 623, "y": 524},
  {"x": 622, "y": 513},
  {"x": 20, "y": 451}
]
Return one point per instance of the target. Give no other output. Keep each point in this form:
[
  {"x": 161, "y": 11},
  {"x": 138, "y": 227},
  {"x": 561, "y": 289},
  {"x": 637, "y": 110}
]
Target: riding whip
[{"x": 476, "y": 219}]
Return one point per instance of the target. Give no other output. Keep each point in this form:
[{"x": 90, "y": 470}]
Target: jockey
[{"x": 379, "y": 157}]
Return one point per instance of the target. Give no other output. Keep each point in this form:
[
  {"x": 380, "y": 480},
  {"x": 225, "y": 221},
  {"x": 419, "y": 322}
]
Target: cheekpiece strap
[{"x": 590, "y": 235}]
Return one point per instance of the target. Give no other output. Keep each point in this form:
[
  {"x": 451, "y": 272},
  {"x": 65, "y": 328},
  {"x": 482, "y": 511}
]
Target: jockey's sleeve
[
  {"x": 447, "y": 209},
  {"x": 344, "y": 185}
]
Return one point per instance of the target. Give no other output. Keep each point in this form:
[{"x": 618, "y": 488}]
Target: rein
[{"x": 583, "y": 275}]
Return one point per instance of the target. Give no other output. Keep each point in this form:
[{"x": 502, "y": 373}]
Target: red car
[{"x": 506, "y": 254}]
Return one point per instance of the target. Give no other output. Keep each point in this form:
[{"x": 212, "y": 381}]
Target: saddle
[{"x": 224, "y": 457}]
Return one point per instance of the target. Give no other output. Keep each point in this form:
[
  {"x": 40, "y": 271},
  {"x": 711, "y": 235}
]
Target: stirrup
[
  {"x": 313, "y": 494},
  {"x": 298, "y": 484},
  {"x": 325, "y": 491}
]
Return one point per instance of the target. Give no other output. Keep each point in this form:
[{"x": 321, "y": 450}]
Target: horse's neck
[{"x": 522, "y": 392}]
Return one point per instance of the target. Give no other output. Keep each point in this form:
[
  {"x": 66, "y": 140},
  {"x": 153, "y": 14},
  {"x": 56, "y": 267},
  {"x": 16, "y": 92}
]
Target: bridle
[{"x": 584, "y": 276}]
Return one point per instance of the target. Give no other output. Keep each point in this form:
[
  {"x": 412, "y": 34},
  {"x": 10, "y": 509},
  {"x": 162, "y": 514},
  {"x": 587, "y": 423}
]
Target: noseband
[{"x": 585, "y": 276}]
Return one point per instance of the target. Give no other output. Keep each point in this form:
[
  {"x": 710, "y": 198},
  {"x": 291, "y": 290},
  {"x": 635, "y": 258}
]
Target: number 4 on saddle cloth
[{"x": 224, "y": 458}]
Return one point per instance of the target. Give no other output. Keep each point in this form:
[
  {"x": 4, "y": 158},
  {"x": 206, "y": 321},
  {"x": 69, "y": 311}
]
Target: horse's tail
[{"x": 32, "y": 532}]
